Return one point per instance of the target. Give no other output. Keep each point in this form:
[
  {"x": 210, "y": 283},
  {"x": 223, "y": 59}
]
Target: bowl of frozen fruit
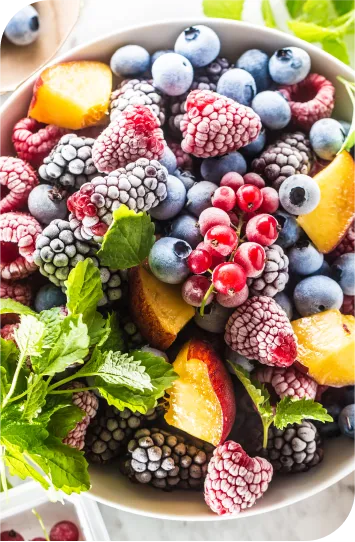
[{"x": 177, "y": 271}]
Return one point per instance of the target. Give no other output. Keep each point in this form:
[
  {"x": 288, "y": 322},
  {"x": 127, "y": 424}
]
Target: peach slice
[
  {"x": 329, "y": 222},
  {"x": 157, "y": 308},
  {"x": 202, "y": 400},
  {"x": 326, "y": 346},
  {"x": 72, "y": 95}
]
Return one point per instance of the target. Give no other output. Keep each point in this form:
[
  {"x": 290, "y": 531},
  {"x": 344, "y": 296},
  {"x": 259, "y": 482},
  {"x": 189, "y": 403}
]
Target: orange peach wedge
[
  {"x": 72, "y": 95},
  {"x": 202, "y": 400}
]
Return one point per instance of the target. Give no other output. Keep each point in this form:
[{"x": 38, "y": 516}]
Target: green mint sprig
[
  {"x": 350, "y": 138},
  {"x": 287, "y": 411}
]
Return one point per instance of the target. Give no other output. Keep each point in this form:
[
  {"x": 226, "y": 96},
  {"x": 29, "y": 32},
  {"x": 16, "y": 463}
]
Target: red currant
[
  {"x": 212, "y": 217},
  {"x": 234, "y": 300},
  {"x": 262, "y": 229},
  {"x": 229, "y": 278},
  {"x": 222, "y": 239},
  {"x": 194, "y": 290},
  {"x": 251, "y": 256},
  {"x": 270, "y": 202},
  {"x": 232, "y": 179},
  {"x": 233, "y": 218},
  {"x": 224, "y": 198},
  {"x": 216, "y": 258},
  {"x": 254, "y": 179},
  {"x": 199, "y": 261},
  {"x": 249, "y": 198}
]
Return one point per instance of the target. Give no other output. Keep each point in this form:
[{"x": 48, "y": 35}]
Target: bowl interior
[{"x": 108, "y": 485}]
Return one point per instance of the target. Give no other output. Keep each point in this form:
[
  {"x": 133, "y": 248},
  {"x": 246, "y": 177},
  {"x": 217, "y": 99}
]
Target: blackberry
[
  {"x": 109, "y": 432},
  {"x": 177, "y": 110},
  {"x": 166, "y": 461},
  {"x": 206, "y": 78},
  {"x": 274, "y": 276},
  {"x": 131, "y": 335},
  {"x": 289, "y": 155},
  {"x": 137, "y": 92},
  {"x": 70, "y": 163}
]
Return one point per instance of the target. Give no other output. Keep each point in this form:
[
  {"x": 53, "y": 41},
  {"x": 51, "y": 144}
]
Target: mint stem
[
  {"x": 14, "y": 380},
  {"x": 204, "y": 301},
  {"x": 74, "y": 390},
  {"x": 3, "y": 472},
  {"x": 68, "y": 379},
  {"x": 40, "y": 520}
]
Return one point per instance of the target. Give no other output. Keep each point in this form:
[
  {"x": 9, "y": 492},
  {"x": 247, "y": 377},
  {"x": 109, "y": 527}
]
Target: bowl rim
[{"x": 184, "y": 22}]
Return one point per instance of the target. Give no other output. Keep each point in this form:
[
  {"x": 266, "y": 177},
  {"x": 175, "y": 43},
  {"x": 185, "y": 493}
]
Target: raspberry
[
  {"x": 134, "y": 134},
  {"x": 88, "y": 402},
  {"x": 259, "y": 329},
  {"x": 348, "y": 305},
  {"x": 184, "y": 160},
  {"x": 22, "y": 293},
  {"x": 310, "y": 100},
  {"x": 234, "y": 480},
  {"x": 18, "y": 234},
  {"x": 7, "y": 332},
  {"x": 288, "y": 382},
  {"x": 215, "y": 125},
  {"x": 346, "y": 245},
  {"x": 33, "y": 141},
  {"x": 17, "y": 179}
]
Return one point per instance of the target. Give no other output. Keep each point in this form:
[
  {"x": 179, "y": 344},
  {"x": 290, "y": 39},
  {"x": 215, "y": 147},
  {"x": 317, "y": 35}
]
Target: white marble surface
[{"x": 308, "y": 520}]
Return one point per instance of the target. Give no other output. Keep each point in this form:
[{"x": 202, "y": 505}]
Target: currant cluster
[{"x": 235, "y": 230}]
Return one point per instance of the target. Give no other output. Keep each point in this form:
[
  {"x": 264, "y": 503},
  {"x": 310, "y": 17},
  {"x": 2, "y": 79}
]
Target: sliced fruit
[
  {"x": 157, "y": 308},
  {"x": 72, "y": 95},
  {"x": 202, "y": 400},
  {"x": 326, "y": 346},
  {"x": 329, "y": 221}
]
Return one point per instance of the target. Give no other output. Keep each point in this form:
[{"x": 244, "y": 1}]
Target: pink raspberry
[
  {"x": 310, "y": 100},
  {"x": 348, "y": 305},
  {"x": 7, "y": 332},
  {"x": 132, "y": 135},
  {"x": 33, "y": 141},
  {"x": 18, "y": 234},
  {"x": 17, "y": 178},
  {"x": 234, "y": 480},
  {"x": 259, "y": 329},
  {"x": 184, "y": 160},
  {"x": 288, "y": 382},
  {"x": 347, "y": 244},
  {"x": 215, "y": 125},
  {"x": 88, "y": 402},
  {"x": 18, "y": 291}
]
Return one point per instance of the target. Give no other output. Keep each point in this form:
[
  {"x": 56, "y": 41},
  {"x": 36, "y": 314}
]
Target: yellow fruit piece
[
  {"x": 329, "y": 221},
  {"x": 72, "y": 95},
  {"x": 157, "y": 308},
  {"x": 194, "y": 406},
  {"x": 326, "y": 346}
]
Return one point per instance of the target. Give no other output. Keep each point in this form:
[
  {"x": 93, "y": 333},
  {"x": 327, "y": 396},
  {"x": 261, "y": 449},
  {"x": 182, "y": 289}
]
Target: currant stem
[{"x": 204, "y": 301}]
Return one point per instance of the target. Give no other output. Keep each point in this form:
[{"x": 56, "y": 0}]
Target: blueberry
[
  {"x": 168, "y": 160},
  {"x": 334, "y": 411},
  {"x": 130, "y": 60},
  {"x": 304, "y": 258},
  {"x": 289, "y": 65},
  {"x": 345, "y": 125},
  {"x": 199, "y": 197},
  {"x": 328, "y": 429},
  {"x": 343, "y": 271},
  {"x": 290, "y": 231},
  {"x": 347, "y": 421},
  {"x": 285, "y": 303},
  {"x": 186, "y": 227},
  {"x": 348, "y": 396},
  {"x": 238, "y": 360},
  {"x": 167, "y": 260},
  {"x": 299, "y": 194},
  {"x": 256, "y": 62},
  {"x": 323, "y": 270},
  {"x": 158, "y": 54},
  {"x": 326, "y": 137},
  {"x": 255, "y": 147},
  {"x": 49, "y": 296},
  {"x": 214, "y": 319},
  {"x": 273, "y": 109},
  {"x": 317, "y": 294},
  {"x": 200, "y": 44},
  {"x": 187, "y": 178},
  {"x": 174, "y": 201},
  {"x": 46, "y": 204},
  {"x": 213, "y": 169},
  {"x": 23, "y": 28},
  {"x": 238, "y": 85},
  {"x": 172, "y": 74}
]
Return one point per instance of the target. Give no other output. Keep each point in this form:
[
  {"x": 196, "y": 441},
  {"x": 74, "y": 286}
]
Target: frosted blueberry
[
  {"x": 199, "y": 197},
  {"x": 289, "y": 65},
  {"x": 159, "y": 53},
  {"x": 23, "y": 28},
  {"x": 304, "y": 258},
  {"x": 172, "y": 74},
  {"x": 49, "y": 296},
  {"x": 238, "y": 85},
  {"x": 46, "y": 204},
  {"x": 200, "y": 44},
  {"x": 187, "y": 178},
  {"x": 213, "y": 169},
  {"x": 186, "y": 227},
  {"x": 167, "y": 260},
  {"x": 255, "y": 147},
  {"x": 285, "y": 303},
  {"x": 256, "y": 62},
  {"x": 273, "y": 109},
  {"x": 343, "y": 271},
  {"x": 168, "y": 160},
  {"x": 174, "y": 201},
  {"x": 130, "y": 60},
  {"x": 327, "y": 137},
  {"x": 317, "y": 294},
  {"x": 299, "y": 194},
  {"x": 290, "y": 231}
]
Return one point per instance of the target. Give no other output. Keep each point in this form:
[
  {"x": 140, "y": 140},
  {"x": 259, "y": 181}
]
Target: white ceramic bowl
[{"x": 108, "y": 486}]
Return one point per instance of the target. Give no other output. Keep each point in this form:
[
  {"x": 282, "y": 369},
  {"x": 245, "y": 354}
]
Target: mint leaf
[
  {"x": 257, "y": 392},
  {"x": 99, "y": 329},
  {"x": 35, "y": 398},
  {"x": 64, "y": 420},
  {"x": 8, "y": 306},
  {"x": 268, "y": 14},
  {"x": 295, "y": 7},
  {"x": 84, "y": 290},
  {"x": 9, "y": 357},
  {"x": 350, "y": 138},
  {"x": 343, "y": 6},
  {"x": 114, "y": 340},
  {"x": 128, "y": 240},
  {"x": 321, "y": 12},
  {"x": 52, "y": 405},
  {"x": 225, "y": 9},
  {"x": 337, "y": 48},
  {"x": 290, "y": 411},
  {"x": 311, "y": 32},
  {"x": 29, "y": 335},
  {"x": 21, "y": 436},
  {"x": 18, "y": 466}
]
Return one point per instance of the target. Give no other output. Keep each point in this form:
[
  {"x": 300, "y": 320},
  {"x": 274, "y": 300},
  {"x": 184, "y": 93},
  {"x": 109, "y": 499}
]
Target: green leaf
[
  {"x": 128, "y": 240},
  {"x": 295, "y": 7},
  {"x": 225, "y": 9},
  {"x": 350, "y": 138},
  {"x": 52, "y": 405},
  {"x": 8, "y": 306},
  {"x": 36, "y": 397},
  {"x": 268, "y": 14},
  {"x": 99, "y": 329},
  {"x": 64, "y": 420},
  {"x": 311, "y": 32},
  {"x": 257, "y": 392},
  {"x": 320, "y": 12},
  {"x": 72, "y": 346},
  {"x": 21, "y": 436},
  {"x": 114, "y": 340},
  {"x": 84, "y": 290},
  {"x": 290, "y": 411},
  {"x": 337, "y": 48},
  {"x": 29, "y": 335},
  {"x": 9, "y": 357},
  {"x": 18, "y": 466},
  {"x": 343, "y": 6}
]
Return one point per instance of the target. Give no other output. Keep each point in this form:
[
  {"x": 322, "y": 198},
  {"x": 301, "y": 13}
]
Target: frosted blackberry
[
  {"x": 70, "y": 163},
  {"x": 176, "y": 113},
  {"x": 131, "y": 335},
  {"x": 274, "y": 276},
  {"x": 166, "y": 461},
  {"x": 206, "y": 78},
  {"x": 137, "y": 92}
]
